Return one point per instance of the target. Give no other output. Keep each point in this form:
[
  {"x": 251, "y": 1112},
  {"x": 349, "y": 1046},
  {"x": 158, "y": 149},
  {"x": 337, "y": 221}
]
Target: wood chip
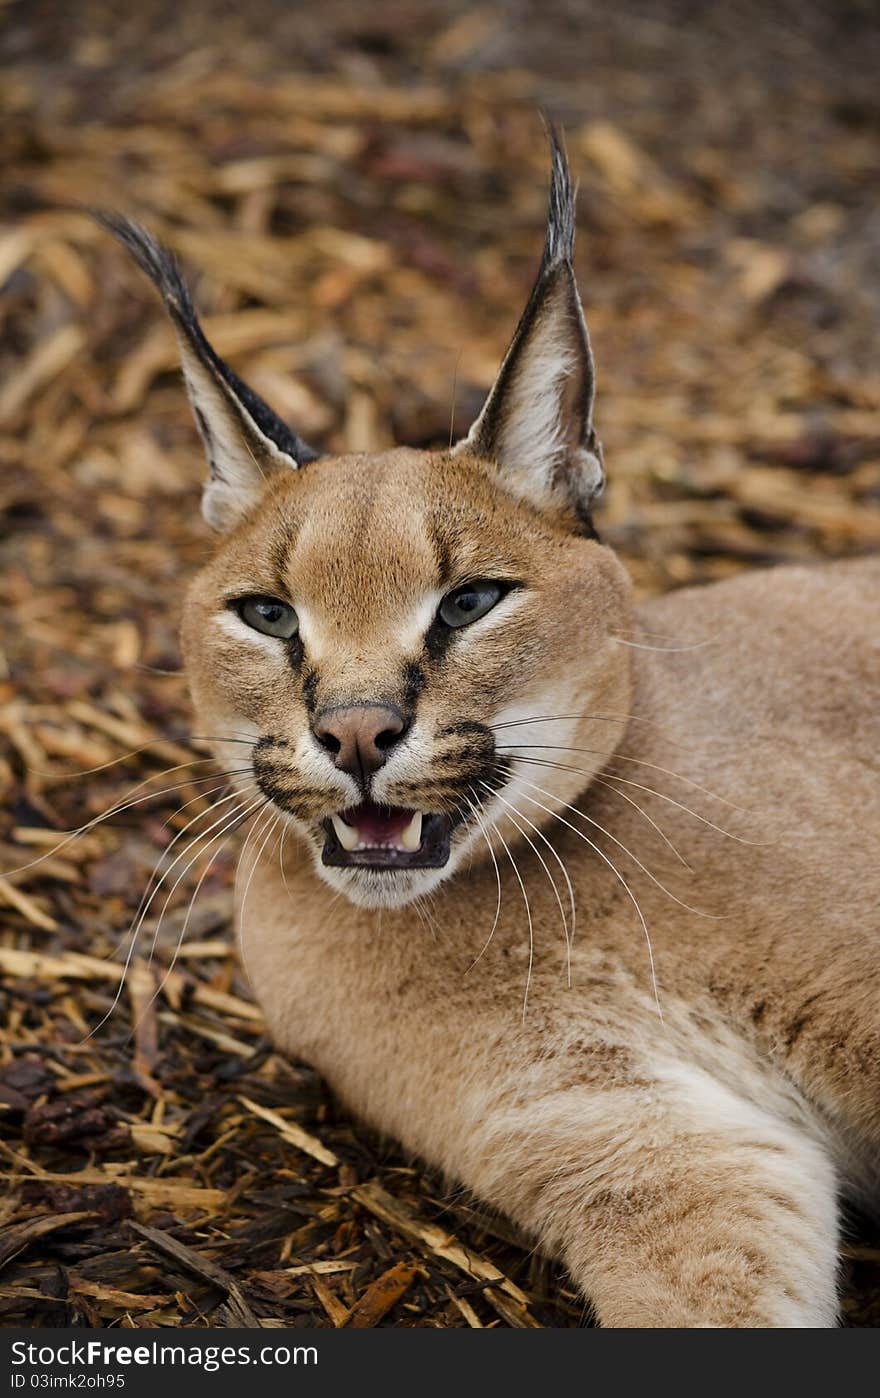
[
  {"x": 294, "y": 1134},
  {"x": 380, "y": 1296},
  {"x": 241, "y": 1313},
  {"x": 428, "y": 1235},
  {"x": 23, "y": 903},
  {"x": 15, "y": 1239},
  {"x": 331, "y": 1303}
]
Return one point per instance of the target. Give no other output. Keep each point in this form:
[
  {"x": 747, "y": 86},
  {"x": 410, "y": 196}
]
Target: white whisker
[
  {"x": 622, "y": 757},
  {"x": 478, "y": 819},
  {"x": 422, "y": 915},
  {"x": 617, "y": 874},
  {"x": 640, "y": 786},
  {"x": 153, "y": 884},
  {"x": 601, "y": 781},
  {"x": 173, "y": 841},
  {"x": 522, "y": 889},
  {"x": 714, "y": 917},
  {"x": 186, "y": 868},
  {"x": 270, "y": 823},
  {"x": 585, "y": 718},
  {"x": 664, "y": 650},
  {"x": 567, "y": 932},
  {"x": 126, "y": 805},
  {"x": 224, "y": 836},
  {"x": 284, "y": 829},
  {"x": 139, "y": 919}
]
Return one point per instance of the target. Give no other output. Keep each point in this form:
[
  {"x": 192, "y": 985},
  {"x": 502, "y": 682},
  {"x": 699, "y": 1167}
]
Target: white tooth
[
  {"x": 347, "y": 835},
  {"x": 411, "y": 837}
]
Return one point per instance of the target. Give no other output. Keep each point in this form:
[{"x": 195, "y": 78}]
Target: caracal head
[{"x": 395, "y": 654}]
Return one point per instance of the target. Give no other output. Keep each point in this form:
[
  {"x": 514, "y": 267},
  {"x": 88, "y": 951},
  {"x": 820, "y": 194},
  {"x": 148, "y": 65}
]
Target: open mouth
[{"x": 386, "y": 837}]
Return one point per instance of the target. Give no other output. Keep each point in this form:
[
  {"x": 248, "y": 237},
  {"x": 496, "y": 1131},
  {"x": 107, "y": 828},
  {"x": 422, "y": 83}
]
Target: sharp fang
[
  {"x": 347, "y": 835},
  {"x": 411, "y": 837}
]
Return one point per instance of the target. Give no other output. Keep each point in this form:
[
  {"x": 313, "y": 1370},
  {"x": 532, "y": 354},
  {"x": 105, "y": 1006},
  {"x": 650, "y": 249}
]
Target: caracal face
[
  {"x": 373, "y": 634},
  {"x": 370, "y": 554}
]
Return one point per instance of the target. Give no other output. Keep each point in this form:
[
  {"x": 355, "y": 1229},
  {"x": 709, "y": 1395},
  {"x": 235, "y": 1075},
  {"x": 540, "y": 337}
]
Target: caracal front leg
[{"x": 677, "y": 1204}]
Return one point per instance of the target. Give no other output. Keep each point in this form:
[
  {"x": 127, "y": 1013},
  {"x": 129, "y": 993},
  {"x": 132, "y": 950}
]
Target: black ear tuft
[
  {"x": 232, "y": 418},
  {"x": 561, "y": 208},
  {"x": 157, "y": 261}
]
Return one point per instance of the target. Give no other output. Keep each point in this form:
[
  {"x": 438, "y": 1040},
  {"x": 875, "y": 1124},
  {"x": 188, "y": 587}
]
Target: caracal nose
[{"x": 359, "y": 738}]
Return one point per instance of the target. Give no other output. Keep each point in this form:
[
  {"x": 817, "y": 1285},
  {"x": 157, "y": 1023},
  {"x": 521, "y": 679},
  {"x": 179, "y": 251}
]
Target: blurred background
[{"x": 357, "y": 192}]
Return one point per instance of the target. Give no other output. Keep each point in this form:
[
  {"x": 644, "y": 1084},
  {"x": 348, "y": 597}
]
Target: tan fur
[
  {"x": 686, "y": 1167},
  {"x": 639, "y": 1007}
]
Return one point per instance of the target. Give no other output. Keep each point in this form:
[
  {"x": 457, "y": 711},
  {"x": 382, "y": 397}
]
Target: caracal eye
[
  {"x": 469, "y": 602},
  {"x": 268, "y": 615}
]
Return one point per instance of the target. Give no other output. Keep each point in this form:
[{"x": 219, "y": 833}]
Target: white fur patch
[
  {"x": 239, "y": 630},
  {"x": 409, "y": 634},
  {"x": 408, "y": 762},
  {"x": 532, "y": 433},
  {"x": 316, "y": 643},
  {"x": 474, "y": 634},
  {"x": 550, "y": 718}
]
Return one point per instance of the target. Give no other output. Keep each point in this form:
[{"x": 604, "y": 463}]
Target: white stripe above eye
[
  {"x": 230, "y": 622},
  {"x": 310, "y": 634},
  {"x": 411, "y": 631}
]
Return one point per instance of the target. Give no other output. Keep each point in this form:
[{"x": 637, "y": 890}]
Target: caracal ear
[
  {"x": 244, "y": 440},
  {"x": 537, "y": 422}
]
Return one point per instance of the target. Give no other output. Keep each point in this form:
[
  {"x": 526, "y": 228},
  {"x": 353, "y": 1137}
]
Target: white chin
[{"x": 383, "y": 888}]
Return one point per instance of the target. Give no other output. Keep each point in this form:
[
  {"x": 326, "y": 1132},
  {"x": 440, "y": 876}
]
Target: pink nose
[{"x": 359, "y": 737}]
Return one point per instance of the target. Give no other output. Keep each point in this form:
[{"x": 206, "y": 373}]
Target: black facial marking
[
  {"x": 413, "y": 684},
  {"x": 466, "y": 728},
  {"x": 440, "y": 636},
  {"x": 475, "y": 765},
  {"x": 279, "y": 783},
  {"x": 497, "y": 775},
  {"x": 478, "y": 745},
  {"x": 437, "y": 640},
  {"x": 310, "y": 690}
]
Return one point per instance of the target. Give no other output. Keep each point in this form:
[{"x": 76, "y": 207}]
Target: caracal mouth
[{"x": 386, "y": 837}]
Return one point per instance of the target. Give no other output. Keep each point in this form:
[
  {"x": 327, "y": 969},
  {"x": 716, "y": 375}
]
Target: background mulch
[{"x": 359, "y": 192}]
